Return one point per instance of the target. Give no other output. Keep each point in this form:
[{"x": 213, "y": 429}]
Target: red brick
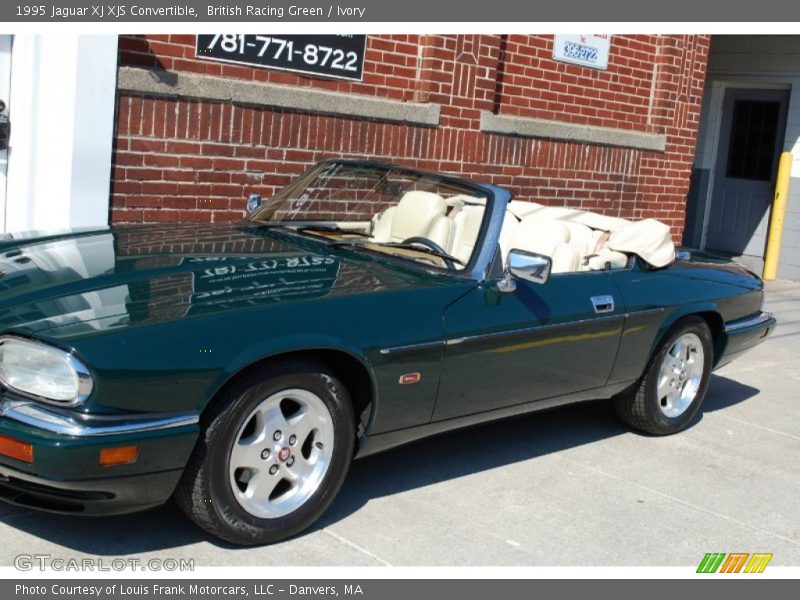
[
  {"x": 149, "y": 187},
  {"x": 263, "y": 147}
]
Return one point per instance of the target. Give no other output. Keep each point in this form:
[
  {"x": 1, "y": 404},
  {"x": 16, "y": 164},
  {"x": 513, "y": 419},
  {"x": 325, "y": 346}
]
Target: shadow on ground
[{"x": 422, "y": 463}]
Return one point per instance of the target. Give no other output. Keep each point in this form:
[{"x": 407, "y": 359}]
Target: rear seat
[
  {"x": 586, "y": 233},
  {"x": 575, "y": 240},
  {"x": 580, "y": 238},
  {"x": 550, "y": 238},
  {"x": 572, "y": 246}
]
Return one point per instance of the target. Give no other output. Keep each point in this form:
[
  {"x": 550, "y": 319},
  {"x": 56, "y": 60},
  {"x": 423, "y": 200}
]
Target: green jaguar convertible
[{"x": 239, "y": 368}]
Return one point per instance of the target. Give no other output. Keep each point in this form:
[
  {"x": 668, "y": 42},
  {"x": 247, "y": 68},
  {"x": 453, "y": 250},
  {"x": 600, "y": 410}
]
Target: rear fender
[{"x": 701, "y": 309}]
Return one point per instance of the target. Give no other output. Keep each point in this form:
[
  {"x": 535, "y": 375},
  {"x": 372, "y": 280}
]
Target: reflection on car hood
[{"x": 89, "y": 280}]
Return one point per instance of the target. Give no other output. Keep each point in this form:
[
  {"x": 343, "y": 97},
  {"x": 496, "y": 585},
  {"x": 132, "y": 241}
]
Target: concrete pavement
[{"x": 566, "y": 487}]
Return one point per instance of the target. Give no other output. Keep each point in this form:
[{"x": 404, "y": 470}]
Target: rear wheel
[
  {"x": 273, "y": 453},
  {"x": 672, "y": 389}
]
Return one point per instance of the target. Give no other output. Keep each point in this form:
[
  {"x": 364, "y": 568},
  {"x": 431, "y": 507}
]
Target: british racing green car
[{"x": 239, "y": 368}]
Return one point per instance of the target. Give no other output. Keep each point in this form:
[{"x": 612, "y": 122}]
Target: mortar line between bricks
[
  {"x": 683, "y": 502},
  {"x": 757, "y": 426},
  {"x": 355, "y": 546}
]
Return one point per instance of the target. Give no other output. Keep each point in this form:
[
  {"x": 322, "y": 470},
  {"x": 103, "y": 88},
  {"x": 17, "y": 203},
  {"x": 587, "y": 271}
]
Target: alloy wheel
[
  {"x": 281, "y": 453},
  {"x": 680, "y": 375}
]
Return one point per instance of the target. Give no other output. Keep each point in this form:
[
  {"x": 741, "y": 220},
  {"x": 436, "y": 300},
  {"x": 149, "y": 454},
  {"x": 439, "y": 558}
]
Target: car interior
[
  {"x": 428, "y": 218},
  {"x": 575, "y": 240}
]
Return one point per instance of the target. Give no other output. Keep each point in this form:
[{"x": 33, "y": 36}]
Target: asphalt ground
[{"x": 569, "y": 486}]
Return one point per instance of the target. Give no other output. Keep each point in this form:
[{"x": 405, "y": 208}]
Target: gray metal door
[{"x": 751, "y": 138}]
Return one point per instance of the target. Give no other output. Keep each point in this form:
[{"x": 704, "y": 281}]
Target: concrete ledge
[
  {"x": 182, "y": 85},
  {"x": 571, "y": 132}
]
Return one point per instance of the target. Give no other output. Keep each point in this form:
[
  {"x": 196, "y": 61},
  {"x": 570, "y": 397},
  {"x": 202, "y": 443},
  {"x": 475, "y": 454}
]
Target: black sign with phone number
[{"x": 340, "y": 56}]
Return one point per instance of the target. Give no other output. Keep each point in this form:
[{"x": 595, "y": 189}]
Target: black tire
[
  {"x": 205, "y": 492},
  {"x": 641, "y": 408}
]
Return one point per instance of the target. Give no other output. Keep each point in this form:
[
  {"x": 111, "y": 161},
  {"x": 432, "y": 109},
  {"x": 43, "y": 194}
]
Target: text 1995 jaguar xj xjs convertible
[{"x": 240, "y": 368}]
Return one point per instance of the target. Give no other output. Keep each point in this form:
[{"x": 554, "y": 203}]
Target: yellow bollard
[{"x": 773, "y": 253}]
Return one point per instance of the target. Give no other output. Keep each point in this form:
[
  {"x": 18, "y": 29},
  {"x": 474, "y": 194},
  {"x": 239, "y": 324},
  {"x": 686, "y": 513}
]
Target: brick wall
[
  {"x": 195, "y": 160},
  {"x": 531, "y": 84},
  {"x": 390, "y": 64}
]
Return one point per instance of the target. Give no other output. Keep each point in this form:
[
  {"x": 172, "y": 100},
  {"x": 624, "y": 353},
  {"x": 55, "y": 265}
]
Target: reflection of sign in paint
[
  {"x": 234, "y": 280},
  {"x": 583, "y": 49}
]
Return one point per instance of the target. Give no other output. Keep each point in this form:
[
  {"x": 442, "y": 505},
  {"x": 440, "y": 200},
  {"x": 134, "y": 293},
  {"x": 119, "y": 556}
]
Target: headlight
[{"x": 44, "y": 372}]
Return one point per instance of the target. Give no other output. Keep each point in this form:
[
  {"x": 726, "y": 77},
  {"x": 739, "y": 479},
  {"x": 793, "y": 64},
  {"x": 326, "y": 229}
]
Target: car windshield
[{"x": 417, "y": 216}]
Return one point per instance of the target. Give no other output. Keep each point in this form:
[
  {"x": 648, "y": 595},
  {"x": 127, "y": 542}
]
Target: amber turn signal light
[
  {"x": 123, "y": 455},
  {"x": 16, "y": 449}
]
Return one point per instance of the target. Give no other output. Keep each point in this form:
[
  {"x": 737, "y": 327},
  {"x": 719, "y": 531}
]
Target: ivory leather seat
[
  {"x": 417, "y": 214},
  {"x": 550, "y": 238},
  {"x": 588, "y": 235},
  {"x": 581, "y": 239},
  {"x": 466, "y": 225}
]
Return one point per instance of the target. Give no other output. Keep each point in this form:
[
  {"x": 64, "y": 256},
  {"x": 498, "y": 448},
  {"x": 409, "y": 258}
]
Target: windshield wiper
[
  {"x": 271, "y": 224},
  {"x": 331, "y": 229},
  {"x": 417, "y": 247},
  {"x": 425, "y": 249},
  {"x": 300, "y": 229}
]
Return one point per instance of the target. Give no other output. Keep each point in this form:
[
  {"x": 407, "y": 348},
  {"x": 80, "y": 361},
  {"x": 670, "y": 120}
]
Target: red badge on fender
[{"x": 409, "y": 378}]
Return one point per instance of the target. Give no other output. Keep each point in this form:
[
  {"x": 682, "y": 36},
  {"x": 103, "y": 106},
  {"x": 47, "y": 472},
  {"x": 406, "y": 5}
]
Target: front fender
[
  {"x": 275, "y": 347},
  {"x": 289, "y": 343}
]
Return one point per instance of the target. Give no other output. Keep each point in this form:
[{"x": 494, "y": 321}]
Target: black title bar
[
  {"x": 371, "y": 11},
  {"x": 388, "y": 589}
]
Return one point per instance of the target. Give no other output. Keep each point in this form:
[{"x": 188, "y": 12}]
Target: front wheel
[
  {"x": 672, "y": 389},
  {"x": 273, "y": 452}
]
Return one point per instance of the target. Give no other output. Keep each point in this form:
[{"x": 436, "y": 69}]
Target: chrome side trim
[
  {"x": 40, "y": 417},
  {"x": 747, "y": 322},
  {"x": 411, "y": 347},
  {"x": 461, "y": 340},
  {"x": 524, "y": 330},
  {"x": 647, "y": 311},
  {"x": 512, "y": 332}
]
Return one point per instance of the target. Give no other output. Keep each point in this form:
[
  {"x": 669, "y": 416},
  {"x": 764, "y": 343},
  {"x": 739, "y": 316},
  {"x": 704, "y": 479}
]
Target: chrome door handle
[{"x": 603, "y": 304}]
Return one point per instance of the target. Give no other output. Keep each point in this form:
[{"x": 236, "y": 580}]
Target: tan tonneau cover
[{"x": 649, "y": 239}]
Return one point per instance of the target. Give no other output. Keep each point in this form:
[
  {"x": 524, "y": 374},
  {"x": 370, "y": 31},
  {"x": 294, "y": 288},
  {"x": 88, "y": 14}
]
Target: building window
[{"x": 752, "y": 145}]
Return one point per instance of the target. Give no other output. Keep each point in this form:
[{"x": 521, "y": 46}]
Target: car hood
[{"x": 79, "y": 281}]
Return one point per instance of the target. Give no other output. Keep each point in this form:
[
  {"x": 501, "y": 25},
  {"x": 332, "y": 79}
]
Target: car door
[{"x": 537, "y": 342}]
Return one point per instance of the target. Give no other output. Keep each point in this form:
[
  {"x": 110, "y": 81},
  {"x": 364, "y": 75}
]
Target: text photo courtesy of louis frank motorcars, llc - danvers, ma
[{"x": 348, "y": 303}]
